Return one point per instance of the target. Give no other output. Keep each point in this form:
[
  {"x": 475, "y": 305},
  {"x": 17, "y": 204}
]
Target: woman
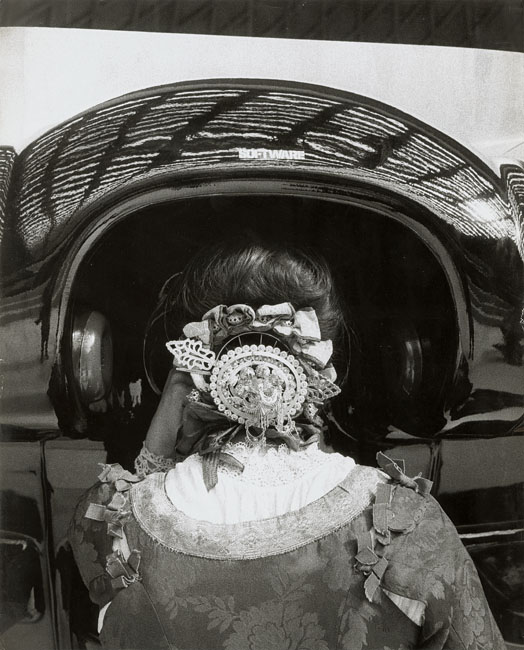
[{"x": 238, "y": 531}]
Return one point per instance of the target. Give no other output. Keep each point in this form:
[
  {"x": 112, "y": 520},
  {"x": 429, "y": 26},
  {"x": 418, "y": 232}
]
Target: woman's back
[{"x": 371, "y": 564}]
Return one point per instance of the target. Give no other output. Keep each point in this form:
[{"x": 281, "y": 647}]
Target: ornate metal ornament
[
  {"x": 320, "y": 389},
  {"x": 190, "y": 355},
  {"x": 262, "y": 385},
  {"x": 259, "y": 386}
]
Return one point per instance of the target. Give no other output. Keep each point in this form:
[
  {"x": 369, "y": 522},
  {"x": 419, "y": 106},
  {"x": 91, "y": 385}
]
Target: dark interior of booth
[{"x": 396, "y": 370}]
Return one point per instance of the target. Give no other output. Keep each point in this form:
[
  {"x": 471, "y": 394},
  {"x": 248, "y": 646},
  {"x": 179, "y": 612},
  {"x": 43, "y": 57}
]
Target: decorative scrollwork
[
  {"x": 320, "y": 389},
  {"x": 190, "y": 355}
]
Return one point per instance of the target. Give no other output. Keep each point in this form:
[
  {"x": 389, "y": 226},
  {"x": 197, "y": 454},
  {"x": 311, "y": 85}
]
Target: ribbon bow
[
  {"x": 388, "y": 465},
  {"x": 207, "y": 430},
  {"x": 116, "y": 513},
  {"x": 300, "y": 327},
  {"x": 123, "y": 572}
]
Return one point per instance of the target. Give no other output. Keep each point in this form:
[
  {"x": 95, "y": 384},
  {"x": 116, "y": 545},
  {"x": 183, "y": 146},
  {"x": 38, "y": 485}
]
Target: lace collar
[
  {"x": 162, "y": 521},
  {"x": 278, "y": 465}
]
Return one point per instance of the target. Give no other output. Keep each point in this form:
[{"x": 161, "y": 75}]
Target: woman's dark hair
[
  {"x": 245, "y": 270},
  {"x": 254, "y": 273}
]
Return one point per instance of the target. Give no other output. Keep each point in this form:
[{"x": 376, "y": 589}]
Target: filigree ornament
[
  {"x": 190, "y": 355},
  {"x": 259, "y": 386},
  {"x": 320, "y": 389}
]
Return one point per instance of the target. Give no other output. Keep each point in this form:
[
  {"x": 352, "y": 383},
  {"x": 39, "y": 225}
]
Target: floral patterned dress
[{"x": 372, "y": 564}]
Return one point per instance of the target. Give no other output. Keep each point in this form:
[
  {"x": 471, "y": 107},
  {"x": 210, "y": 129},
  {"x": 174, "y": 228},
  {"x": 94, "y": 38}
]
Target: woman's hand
[{"x": 164, "y": 428}]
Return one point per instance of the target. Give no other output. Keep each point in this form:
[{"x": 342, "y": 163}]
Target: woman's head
[
  {"x": 255, "y": 273},
  {"x": 249, "y": 271}
]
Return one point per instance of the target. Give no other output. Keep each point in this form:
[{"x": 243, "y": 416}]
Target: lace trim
[
  {"x": 277, "y": 465},
  {"x": 148, "y": 463},
  {"x": 162, "y": 521}
]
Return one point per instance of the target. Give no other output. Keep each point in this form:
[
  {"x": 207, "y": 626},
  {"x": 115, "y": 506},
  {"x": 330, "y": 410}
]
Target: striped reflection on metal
[
  {"x": 7, "y": 159},
  {"x": 153, "y": 134}
]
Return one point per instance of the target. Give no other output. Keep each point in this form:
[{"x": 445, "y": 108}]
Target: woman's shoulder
[
  {"x": 409, "y": 543},
  {"x": 389, "y": 502},
  {"x": 398, "y": 503},
  {"x": 99, "y": 518},
  {"x": 109, "y": 493},
  {"x": 404, "y": 504}
]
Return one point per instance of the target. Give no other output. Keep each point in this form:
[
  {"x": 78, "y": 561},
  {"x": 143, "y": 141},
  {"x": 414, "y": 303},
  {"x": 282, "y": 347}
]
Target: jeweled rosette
[{"x": 259, "y": 386}]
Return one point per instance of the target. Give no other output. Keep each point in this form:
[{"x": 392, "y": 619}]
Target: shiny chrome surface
[
  {"x": 186, "y": 139},
  {"x": 92, "y": 356}
]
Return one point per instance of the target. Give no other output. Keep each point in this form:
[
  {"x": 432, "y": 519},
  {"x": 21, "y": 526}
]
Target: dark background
[{"x": 487, "y": 24}]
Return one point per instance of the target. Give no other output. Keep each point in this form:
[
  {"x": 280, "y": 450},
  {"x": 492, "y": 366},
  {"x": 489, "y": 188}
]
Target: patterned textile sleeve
[
  {"x": 457, "y": 615},
  {"x": 472, "y": 623},
  {"x": 111, "y": 575},
  {"x": 91, "y": 544}
]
